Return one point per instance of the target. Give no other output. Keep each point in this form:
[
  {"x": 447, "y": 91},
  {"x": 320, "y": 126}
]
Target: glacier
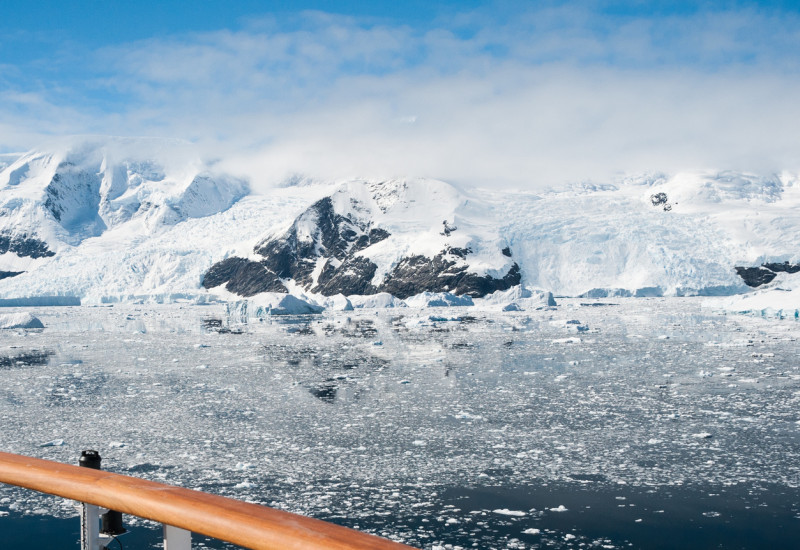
[{"x": 109, "y": 220}]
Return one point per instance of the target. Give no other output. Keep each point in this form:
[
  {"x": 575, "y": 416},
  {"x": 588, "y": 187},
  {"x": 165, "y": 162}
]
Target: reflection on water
[{"x": 25, "y": 359}]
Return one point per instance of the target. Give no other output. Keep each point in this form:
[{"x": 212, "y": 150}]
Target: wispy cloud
[{"x": 498, "y": 96}]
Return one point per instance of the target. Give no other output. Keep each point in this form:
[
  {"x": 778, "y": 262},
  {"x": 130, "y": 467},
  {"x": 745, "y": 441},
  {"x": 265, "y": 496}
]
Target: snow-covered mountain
[
  {"x": 401, "y": 237},
  {"x": 53, "y": 201},
  {"x": 104, "y": 219}
]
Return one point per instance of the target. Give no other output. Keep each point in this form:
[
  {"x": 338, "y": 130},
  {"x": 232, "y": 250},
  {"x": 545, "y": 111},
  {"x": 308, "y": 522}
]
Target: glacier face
[{"x": 112, "y": 219}]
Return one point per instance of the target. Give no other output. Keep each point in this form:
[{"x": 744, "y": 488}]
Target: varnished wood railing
[{"x": 241, "y": 523}]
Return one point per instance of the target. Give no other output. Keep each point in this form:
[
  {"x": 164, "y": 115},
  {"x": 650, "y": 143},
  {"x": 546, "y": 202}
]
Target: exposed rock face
[
  {"x": 24, "y": 246},
  {"x": 243, "y": 277},
  {"x": 757, "y": 276},
  {"x": 443, "y": 273},
  {"x": 320, "y": 233},
  {"x": 326, "y": 251}
]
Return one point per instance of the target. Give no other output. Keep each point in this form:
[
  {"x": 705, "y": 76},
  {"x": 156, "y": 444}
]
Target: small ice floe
[
  {"x": 451, "y": 521},
  {"x": 561, "y": 508},
  {"x": 711, "y": 514},
  {"x": 19, "y": 320},
  {"x": 116, "y": 444},
  {"x": 654, "y": 441},
  {"x": 464, "y": 415},
  {"x": 507, "y": 512},
  {"x": 572, "y": 340},
  {"x": 439, "y": 299},
  {"x": 380, "y": 300},
  {"x": 702, "y": 435},
  {"x": 569, "y": 536},
  {"x": 419, "y": 443},
  {"x": 531, "y": 531},
  {"x": 53, "y": 443},
  {"x": 245, "y": 485},
  {"x": 338, "y": 302}
]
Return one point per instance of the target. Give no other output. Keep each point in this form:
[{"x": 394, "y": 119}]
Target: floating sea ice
[
  {"x": 53, "y": 443},
  {"x": 531, "y": 531},
  {"x": 702, "y": 435},
  {"x": 507, "y": 512},
  {"x": 116, "y": 444},
  {"x": 561, "y": 508},
  {"x": 467, "y": 415},
  {"x": 567, "y": 341},
  {"x": 19, "y": 320}
]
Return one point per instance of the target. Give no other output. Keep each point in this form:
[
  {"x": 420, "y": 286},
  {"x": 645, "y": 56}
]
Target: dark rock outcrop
[
  {"x": 24, "y": 246},
  {"x": 784, "y": 267},
  {"x": 443, "y": 273},
  {"x": 757, "y": 276}
]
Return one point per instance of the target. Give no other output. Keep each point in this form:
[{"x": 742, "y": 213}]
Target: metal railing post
[
  {"x": 176, "y": 538},
  {"x": 90, "y": 514}
]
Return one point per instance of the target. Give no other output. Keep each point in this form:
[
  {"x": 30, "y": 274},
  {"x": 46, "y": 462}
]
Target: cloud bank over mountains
[{"x": 497, "y": 95}]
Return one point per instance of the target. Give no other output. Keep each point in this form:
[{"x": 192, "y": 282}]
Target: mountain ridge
[{"x": 131, "y": 221}]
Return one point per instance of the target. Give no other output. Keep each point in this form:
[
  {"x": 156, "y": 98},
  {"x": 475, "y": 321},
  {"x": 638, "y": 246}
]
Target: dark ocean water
[{"x": 588, "y": 514}]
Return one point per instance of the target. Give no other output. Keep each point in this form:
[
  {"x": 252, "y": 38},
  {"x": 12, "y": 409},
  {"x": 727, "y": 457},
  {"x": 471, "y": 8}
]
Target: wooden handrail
[{"x": 249, "y": 525}]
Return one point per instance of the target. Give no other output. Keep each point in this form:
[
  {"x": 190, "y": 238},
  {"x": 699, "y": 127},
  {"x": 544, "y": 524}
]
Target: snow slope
[
  {"x": 84, "y": 186},
  {"x": 611, "y": 237},
  {"x": 110, "y": 219},
  {"x": 780, "y": 298}
]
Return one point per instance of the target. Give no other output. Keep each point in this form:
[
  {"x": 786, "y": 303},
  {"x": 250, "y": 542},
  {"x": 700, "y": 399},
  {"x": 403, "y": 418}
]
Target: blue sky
[{"x": 481, "y": 92}]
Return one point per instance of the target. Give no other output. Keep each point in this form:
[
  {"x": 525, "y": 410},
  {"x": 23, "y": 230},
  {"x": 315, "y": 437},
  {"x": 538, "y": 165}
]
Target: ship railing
[{"x": 182, "y": 511}]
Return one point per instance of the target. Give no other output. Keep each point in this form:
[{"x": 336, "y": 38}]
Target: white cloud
[{"x": 531, "y": 99}]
